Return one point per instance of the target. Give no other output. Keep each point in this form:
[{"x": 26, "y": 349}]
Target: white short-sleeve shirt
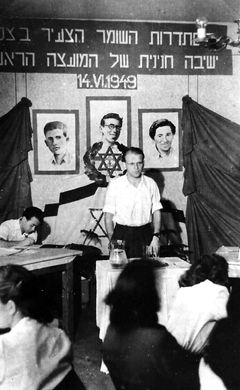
[
  {"x": 10, "y": 231},
  {"x": 195, "y": 311},
  {"x": 130, "y": 205}
]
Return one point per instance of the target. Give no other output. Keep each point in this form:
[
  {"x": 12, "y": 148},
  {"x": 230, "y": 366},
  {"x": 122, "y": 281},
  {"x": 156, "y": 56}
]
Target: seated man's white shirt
[
  {"x": 10, "y": 231},
  {"x": 195, "y": 311},
  {"x": 130, "y": 205}
]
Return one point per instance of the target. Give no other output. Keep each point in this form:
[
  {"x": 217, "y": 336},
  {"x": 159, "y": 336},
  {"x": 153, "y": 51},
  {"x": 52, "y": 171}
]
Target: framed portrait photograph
[
  {"x": 97, "y": 107},
  {"x": 160, "y": 138},
  {"x": 56, "y": 141}
]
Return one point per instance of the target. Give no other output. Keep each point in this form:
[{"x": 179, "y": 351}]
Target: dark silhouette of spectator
[{"x": 140, "y": 354}]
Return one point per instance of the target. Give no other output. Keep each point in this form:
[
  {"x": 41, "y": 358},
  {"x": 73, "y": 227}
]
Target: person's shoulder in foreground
[
  {"x": 200, "y": 301},
  {"x": 21, "y": 230},
  {"x": 33, "y": 354}
]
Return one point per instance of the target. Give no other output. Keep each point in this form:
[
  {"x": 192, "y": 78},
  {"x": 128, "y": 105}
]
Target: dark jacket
[{"x": 149, "y": 359}]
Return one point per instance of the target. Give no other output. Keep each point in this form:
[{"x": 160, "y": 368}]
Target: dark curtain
[
  {"x": 15, "y": 174},
  {"x": 211, "y": 156}
]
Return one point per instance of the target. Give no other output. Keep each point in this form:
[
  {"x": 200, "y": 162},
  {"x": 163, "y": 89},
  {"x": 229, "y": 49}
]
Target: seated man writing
[{"x": 22, "y": 230}]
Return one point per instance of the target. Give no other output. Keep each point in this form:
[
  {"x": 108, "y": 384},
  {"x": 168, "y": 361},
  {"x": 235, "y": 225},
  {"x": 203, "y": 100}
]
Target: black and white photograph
[
  {"x": 99, "y": 106},
  {"x": 56, "y": 141},
  {"x": 119, "y": 195},
  {"x": 160, "y": 138}
]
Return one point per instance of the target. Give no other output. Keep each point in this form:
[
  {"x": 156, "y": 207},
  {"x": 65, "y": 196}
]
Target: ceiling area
[{"x": 162, "y": 10}]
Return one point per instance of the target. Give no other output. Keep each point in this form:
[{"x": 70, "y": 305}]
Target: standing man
[
  {"x": 132, "y": 208},
  {"x": 56, "y": 139}
]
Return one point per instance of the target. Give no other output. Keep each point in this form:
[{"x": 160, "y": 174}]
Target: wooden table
[{"x": 45, "y": 261}]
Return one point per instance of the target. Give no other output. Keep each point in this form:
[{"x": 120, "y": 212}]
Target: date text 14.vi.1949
[{"x": 110, "y": 81}]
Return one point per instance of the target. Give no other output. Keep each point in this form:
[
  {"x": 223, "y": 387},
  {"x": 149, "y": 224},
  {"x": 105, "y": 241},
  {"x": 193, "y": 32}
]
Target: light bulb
[{"x": 201, "y": 23}]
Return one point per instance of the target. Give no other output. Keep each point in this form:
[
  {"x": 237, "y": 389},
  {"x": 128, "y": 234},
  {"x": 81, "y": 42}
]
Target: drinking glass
[{"x": 118, "y": 257}]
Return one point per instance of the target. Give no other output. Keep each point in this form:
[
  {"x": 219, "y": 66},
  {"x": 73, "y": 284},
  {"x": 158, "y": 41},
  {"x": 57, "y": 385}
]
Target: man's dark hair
[
  {"x": 133, "y": 150},
  {"x": 160, "y": 123},
  {"x": 24, "y": 289},
  {"x": 55, "y": 125},
  {"x": 33, "y": 212},
  {"x": 111, "y": 115}
]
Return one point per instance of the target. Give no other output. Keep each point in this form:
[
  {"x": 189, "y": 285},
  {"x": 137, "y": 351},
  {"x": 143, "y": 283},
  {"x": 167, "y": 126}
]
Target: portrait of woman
[{"x": 159, "y": 136}]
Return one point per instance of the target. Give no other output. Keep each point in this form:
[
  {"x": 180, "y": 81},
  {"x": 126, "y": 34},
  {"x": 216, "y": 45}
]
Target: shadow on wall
[
  {"x": 157, "y": 176},
  {"x": 43, "y": 232},
  {"x": 170, "y": 216}
]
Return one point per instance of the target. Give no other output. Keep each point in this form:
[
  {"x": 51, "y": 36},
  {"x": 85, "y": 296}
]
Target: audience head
[
  {"x": 212, "y": 267},
  {"x": 110, "y": 127},
  {"x": 134, "y": 301},
  {"x": 31, "y": 218},
  {"x": 20, "y": 296}
]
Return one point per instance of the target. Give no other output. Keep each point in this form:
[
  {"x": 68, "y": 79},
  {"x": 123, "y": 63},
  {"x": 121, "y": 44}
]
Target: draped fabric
[
  {"x": 211, "y": 179},
  {"x": 15, "y": 174}
]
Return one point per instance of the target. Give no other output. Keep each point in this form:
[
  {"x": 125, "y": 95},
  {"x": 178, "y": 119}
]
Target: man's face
[
  {"x": 163, "y": 138},
  {"x": 111, "y": 130},
  {"x": 56, "y": 141},
  {"x": 134, "y": 164},
  {"x": 29, "y": 225}
]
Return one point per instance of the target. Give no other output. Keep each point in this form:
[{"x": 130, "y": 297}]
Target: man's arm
[
  {"x": 109, "y": 225},
  {"x": 9, "y": 244},
  {"x": 154, "y": 247},
  {"x": 26, "y": 242}
]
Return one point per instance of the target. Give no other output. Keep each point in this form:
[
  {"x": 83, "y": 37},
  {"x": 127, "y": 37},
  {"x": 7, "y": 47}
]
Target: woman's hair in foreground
[
  {"x": 22, "y": 287},
  {"x": 134, "y": 300},
  {"x": 212, "y": 267}
]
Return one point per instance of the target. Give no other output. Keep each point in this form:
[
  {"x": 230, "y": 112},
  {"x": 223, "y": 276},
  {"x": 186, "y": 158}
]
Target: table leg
[{"x": 67, "y": 299}]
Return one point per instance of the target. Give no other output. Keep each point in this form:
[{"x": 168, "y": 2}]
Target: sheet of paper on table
[
  {"x": 8, "y": 251},
  {"x": 18, "y": 249},
  {"x": 230, "y": 253}
]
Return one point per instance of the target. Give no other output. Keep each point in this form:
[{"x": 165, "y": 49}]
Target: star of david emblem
[{"x": 109, "y": 161}]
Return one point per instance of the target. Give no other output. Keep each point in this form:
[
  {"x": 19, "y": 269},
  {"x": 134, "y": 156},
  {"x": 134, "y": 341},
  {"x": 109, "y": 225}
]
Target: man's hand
[
  {"x": 6, "y": 244},
  {"x": 9, "y": 244},
  {"x": 154, "y": 247}
]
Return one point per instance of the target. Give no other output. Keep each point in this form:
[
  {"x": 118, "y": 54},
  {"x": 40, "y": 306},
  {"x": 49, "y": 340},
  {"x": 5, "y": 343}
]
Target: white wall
[{"x": 59, "y": 91}]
